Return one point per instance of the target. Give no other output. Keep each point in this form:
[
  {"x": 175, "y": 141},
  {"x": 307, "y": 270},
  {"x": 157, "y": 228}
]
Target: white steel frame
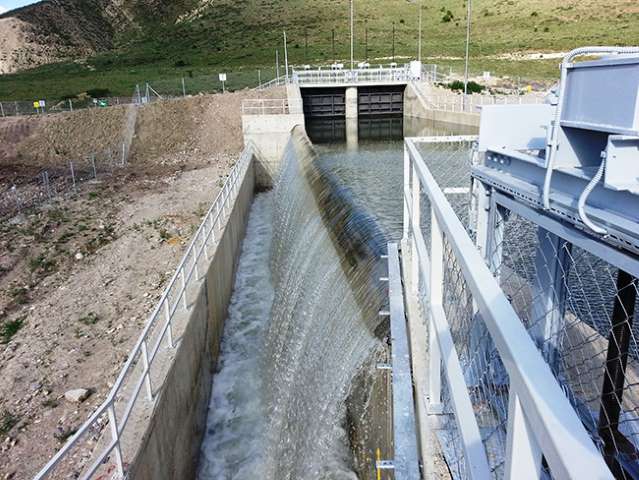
[
  {"x": 541, "y": 420},
  {"x": 279, "y": 106},
  {"x": 400, "y": 75},
  {"x": 186, "y": 275}
]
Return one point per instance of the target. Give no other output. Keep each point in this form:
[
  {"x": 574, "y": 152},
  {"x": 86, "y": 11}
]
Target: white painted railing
[
  {"x": 541, "y": 421},
  {"x": 276, "y": 82},
  {"x": 281, "y": 106},
  {"x": 473, "y": 103},
  {"x": 156, "y": 341},
  {"x": 386, "y": 75}
]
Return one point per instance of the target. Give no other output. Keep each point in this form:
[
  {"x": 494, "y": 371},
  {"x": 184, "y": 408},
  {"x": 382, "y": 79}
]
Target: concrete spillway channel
[{"x": 273, "y": 363}]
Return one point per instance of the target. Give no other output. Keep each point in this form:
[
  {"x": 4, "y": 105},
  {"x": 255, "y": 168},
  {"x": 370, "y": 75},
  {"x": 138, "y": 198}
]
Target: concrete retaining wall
[
  {"x": 270, "y": 134},
  {"x": 415, "y": 107},
  {"x": 171, "y": 445}
]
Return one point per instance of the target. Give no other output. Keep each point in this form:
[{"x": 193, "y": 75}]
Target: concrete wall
[
  {"x": 352, "y": 102},
  {"x": 171, "y": 445},
  {"x": 270, "y": 134},
  {"x": 415, "y": 107}
]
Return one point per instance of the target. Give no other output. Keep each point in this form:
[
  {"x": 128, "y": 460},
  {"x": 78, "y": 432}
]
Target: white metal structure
[
  {"x": 281, "y": 106},
  {"x": 399, "y": 75},
  {"x": 473, "y": 103},
  {"x": 156, "y": 338},
  {"x": 541, "y": 421}
]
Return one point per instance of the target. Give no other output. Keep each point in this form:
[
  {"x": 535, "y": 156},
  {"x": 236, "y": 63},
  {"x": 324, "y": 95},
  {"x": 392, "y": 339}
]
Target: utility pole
[
  {"x": 277, "y": 66},
  {"x": 259, "y": 78},
  {"x": 286, "y": 56},
  {"x": 393, "y": 42},
  {"x": 352, "y": 35},
  {"x": 334, "y": 58},
  {"x": 366, "y": 38},
  {"x": 468, "y": 15},
  {"x": 419, "y": 44}
]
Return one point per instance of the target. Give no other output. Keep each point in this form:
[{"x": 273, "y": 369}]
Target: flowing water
[{"x": 303, "y": 320}]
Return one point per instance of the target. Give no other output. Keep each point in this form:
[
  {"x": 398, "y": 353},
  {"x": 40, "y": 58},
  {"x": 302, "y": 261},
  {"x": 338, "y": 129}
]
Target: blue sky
[{"x": 11, "y": 4}]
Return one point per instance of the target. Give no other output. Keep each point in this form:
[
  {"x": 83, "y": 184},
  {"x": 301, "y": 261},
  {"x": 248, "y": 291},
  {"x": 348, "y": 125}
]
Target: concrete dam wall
[{"x": 171, "y": 442}]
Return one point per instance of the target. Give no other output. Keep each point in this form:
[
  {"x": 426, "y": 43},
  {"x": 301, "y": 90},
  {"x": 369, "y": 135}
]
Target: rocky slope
[{"x": 54, "y": 30}]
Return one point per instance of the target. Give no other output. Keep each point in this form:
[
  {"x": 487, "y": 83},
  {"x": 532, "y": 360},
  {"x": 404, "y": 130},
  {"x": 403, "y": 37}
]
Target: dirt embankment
[
  {"x": 180, "y": 131},
  {"x": 78, "y": 277}
]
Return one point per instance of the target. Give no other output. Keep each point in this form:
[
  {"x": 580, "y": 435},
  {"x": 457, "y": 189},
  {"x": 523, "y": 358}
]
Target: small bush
[
  {"x": 20, "y": 295},
  {"x": 7, "y": 421},
  {"x": 90, "y": 319},
  {"x": 9, "y": 329},
  {"x": 98, "y": 92},
  {"x": 448, "y": 17},
  {"x": 473, "y": 87},
  {"x": 42, "y": 263},
  {"x": 179, "y": 64}
]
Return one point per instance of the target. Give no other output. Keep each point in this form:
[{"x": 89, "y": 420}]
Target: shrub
[
  {"x": 9, "y": 329},
  {"x": 98, "y": 92},
  {"x": 473, "y": 87},
  {"x": 448, "y": 17}
]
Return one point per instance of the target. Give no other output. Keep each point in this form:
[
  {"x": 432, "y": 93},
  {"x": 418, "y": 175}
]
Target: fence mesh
[
  {"x": 578, "y": 308},
  {"x": 25, "y": 192}
]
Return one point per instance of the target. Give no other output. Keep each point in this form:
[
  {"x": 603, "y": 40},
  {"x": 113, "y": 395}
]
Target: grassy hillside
[{"x": 173, "y": 39}]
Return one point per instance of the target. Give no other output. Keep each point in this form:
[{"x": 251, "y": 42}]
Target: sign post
[{"x": 223, "y": 79}]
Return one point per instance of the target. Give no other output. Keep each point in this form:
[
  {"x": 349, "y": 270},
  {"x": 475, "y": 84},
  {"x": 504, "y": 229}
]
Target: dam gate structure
[{"x": 505, "y": 305}]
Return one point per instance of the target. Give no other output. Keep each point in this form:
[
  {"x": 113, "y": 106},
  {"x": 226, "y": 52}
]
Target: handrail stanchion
[
  {"x": 435, "y": 297},
  {"x": 119, "y": 465},
  {"x": 147, "y": 371},
  {"x": 416, "y": 225},
  {"x": 183, "y": 278},
  {"x": 522, "y": 449},
  {"x": 169, "y": 328}
]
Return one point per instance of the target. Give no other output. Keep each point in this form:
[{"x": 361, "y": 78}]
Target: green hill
[{"x": 162, "y": 41}]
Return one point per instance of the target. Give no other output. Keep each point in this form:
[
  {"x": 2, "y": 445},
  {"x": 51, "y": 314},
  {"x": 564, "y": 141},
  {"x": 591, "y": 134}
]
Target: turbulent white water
[
  {"x": 301, "y": 324},
  {"x": 232, "y": 447}
]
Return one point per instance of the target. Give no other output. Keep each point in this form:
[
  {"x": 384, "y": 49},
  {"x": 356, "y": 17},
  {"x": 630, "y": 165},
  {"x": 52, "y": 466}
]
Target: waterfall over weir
[{"x": 289, "y": 360}]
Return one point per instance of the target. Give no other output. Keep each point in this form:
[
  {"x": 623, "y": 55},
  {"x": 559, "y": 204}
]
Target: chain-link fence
[
  {"x": 579, "y": 309},
  {"x": 577, "y": 305},
  {"x": 27, "y": 192}
]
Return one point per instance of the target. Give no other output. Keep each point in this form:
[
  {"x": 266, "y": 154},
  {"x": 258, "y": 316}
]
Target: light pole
[
  {"x": 393, "y": 42},
  {"x": 419, "y": 35},
  {"x": 286, "y": 57},
  {"x": 352, "y": 35},
  {"x": 468, "y": 15},
  {"x": 419, "y": 41},
  {"x": 333, "y": 46}
]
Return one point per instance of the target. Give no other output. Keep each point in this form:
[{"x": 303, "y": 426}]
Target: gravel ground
[{"x": 78, "y": 277}]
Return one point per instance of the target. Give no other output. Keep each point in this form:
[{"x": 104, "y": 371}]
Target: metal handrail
[
  {"x": 346, "y": 76},
  {"x": 186, "y": 275},
  {"x": 541, "y": 419},
  {"x": 472, "y": 103},
  {"x": 269, "y": 106}
]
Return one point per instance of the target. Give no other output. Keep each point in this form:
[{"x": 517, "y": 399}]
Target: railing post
[
  {"x": 416, "y": 225},
  {"x": 436, "y": 283},
  {"x": 195, "y": 266},
  {"x": 183, "y": 277},
  {"x": 205, "y": 244},
  {"x": 116, "y": 436},
  {"x": 523, "y": 455},
  {"x": 407, "y": 194},
  {"x": 147, "y": 371},
  {"x": 169, "y": 329}
]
